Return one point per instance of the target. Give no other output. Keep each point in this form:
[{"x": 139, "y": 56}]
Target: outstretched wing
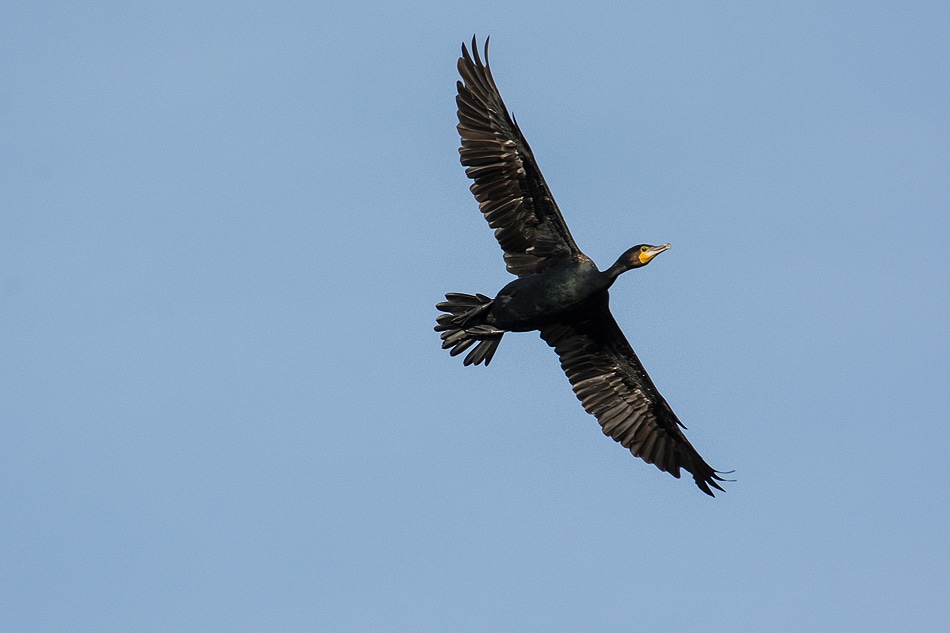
[
  {"x": 610, "y": 382},
  {"x": 509, "y": 187}
]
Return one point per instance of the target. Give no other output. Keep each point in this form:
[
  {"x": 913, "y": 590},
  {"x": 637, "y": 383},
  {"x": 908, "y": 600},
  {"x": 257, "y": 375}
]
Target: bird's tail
[{"x": 465, "y": 324}]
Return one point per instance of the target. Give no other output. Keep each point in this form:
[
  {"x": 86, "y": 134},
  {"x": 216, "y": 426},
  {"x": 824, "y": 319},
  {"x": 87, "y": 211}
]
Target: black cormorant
[{"x": 559, "y": 290}]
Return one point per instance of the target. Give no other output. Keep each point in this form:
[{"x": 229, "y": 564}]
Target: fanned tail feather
[{"x": 465, "y": 325}]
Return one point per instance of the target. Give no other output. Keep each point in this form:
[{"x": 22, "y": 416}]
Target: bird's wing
[
  {"x": 509, "y": 187},
  {"x": 610, "y": 382}
]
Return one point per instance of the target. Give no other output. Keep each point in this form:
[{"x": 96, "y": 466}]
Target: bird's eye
[{"x": 644, "y": 249}]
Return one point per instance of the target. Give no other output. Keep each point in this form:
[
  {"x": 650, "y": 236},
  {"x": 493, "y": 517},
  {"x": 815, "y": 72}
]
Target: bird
[{"x": 559, "y": 291}]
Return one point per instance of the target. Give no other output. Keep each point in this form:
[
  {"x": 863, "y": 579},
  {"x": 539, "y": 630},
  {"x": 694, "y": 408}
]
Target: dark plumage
[{"x": 559, "y": 290}]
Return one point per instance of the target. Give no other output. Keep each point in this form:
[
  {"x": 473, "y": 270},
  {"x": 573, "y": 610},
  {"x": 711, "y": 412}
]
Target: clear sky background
[{"x": 223, "y": 230}]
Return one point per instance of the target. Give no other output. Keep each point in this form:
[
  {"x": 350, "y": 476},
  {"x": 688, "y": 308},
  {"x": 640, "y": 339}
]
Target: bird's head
[{"x": 641, "y": 255}]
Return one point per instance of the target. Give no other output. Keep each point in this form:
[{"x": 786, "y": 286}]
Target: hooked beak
[{"x": 652, "y": 252}]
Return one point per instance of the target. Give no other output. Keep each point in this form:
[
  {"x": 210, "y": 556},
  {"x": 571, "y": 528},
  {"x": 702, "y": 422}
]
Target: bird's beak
[{"x": 652, "y": 252}]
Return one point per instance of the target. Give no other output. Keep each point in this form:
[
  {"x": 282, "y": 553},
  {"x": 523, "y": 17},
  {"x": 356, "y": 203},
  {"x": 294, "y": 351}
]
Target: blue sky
[{"x": 223, "y": 230}]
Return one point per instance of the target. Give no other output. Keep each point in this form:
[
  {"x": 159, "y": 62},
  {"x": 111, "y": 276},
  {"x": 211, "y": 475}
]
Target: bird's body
[
  {"x": 531, "y": 302},
  {"x": 559, "y": 291}
]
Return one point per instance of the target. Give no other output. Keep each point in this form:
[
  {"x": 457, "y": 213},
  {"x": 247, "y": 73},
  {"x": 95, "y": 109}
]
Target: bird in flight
[{"x": 559, "y": 290}]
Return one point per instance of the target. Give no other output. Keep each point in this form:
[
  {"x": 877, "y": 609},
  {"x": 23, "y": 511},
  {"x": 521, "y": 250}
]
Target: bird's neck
[{"x": 620, "y": 266}]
